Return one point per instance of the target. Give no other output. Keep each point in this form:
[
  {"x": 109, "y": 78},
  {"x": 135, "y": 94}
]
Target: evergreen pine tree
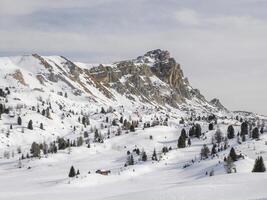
[
  {"x": 130, "y": 160},
  {"x": 192, "y": 131},
  {"x": 198, "y": 131},
  {"x": 205, "y": 151},
  {"x": 244, "y": 128},
  {"x": 229, "y": 165},
  {"x": 255, "y": 133},
  {"x": 80, "y": 141},
  {"x": 19, "y": 120},
  {"x": 189, "y": 142},
  {"x": 262, "y": 130},
  {"x": 218, "y": 136},
  {"x": 72, "y": 172},
  {"x": 30, "y": 125},
  {"x": 103, "y": 110},
  {"x": 230, "y": 132},
  {"x": 154, "y": 155},
  {"x": 35, "y": 149},
  {"x": 259, "y": 165},
  {"x": 144, "y": 156},
  {"x": 132, "y": 129},
  {"x": 96, "y": 136},
  {"x": 183, "y": 133},
  {"x": 214, "y": 150},
  {"x": 121, "y": 120},
  {"x": 232, "y": 154},
  {"x": 181, "y": 142},
  {"x": 211, "y": 126}
]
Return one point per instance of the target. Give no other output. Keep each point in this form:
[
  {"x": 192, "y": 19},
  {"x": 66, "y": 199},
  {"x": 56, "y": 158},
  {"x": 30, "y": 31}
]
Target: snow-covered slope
[{"x": 94, "y": 108}]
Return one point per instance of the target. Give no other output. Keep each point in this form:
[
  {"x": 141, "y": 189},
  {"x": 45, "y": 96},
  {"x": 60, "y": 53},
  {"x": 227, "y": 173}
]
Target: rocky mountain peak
[
  {"x": 216, "y": 103},
  {"x": 154, "y": 56},
  {"x": 154, "y": 78}
]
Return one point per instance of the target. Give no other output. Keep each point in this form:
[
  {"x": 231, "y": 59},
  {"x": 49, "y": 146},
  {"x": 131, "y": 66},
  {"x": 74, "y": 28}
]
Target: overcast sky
[{"x": 221, "y": 44}]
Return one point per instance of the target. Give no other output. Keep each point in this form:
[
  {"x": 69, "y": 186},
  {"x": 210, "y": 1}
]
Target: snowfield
[
  {"x": 166, "y": 179},
  {"x": 60, "y": 106}
]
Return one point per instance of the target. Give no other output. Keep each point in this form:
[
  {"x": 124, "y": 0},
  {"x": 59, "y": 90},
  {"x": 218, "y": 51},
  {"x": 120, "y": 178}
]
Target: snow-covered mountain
[
  {"x": 107, "y": 118},
  {"x": 154, "y": 78}
]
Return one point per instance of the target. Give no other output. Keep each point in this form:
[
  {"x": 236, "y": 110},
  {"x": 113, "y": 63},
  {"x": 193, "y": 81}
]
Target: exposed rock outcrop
[
  {"x": 153, "y": 77},
  {"x": 216, "y": 103}
]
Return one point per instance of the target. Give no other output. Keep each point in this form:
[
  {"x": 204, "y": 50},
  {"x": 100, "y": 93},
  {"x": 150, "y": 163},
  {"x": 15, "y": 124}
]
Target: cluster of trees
[
  {"x": 182, "y": 140},
  {"x": 4, "y": 92},
  {"x": 73, "y": 172},
  {"x": 204, "y": 152},
  {"x": 46, "y": 112},
  {"x": 85, "y": 120},
  {"x": 259, "y": 165},
  {"x": 98, "y": 137},
  {"x": 61, "y": 144},
  {"x": 195, "y": 131},
  {"x": 36, "y": 149},
  {"x": 250, "y": 130},
  {"x": 143, "y": 155},
  {"x": 246, "y": 130},
  {"x": 3, "y": 109}
]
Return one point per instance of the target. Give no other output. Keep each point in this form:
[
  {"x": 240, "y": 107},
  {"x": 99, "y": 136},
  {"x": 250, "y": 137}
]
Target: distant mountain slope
[{"x": 154, "y": 78}]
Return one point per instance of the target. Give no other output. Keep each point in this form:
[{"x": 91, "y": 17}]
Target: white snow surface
[{"x": 47, "y": 177}]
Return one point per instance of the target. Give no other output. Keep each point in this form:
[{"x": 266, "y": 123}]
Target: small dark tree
[
  {"x": 62, "y": 144},
  {"x": 72, "y": 172},
  {"x": 218, "y": 136},
  {"x": 181, "y": 142},
  {"x": 132, "y": 129},
  {"x": 255, "y": 133},
  {"x": 198, "y": 131},
  {"x": 19, "y": 121},
  {"x": 211, "y": 126},
  {"x": 144, "y": 156},
  {"x": 259, "y": 165},
  {"x": 165, "y": 150},
  {"x": 42, "y": 126},
  {"x": 30, "y": 125},
  {"x": 230, "y": 132},
  {"x": 262, "y": 130},
  {"x": 183, "y": 133},
  {"x": 189, "y": 142},
  {"x": 103, "y": 110},
  {"x": 232, "y": 154},
  {"x": 192, "y": 131},
  {"x": 213, "y": 150},
  {"x": 205, "y": 151},
  {"x": 244, "y": 128},
  {"x": 154, "y": 155},
  {"x": 130, "y": 160},
  {"x": 83, "y": 121},
  {"x": 80, "y": 141},
  {"x": 35, "y": 149},
  {"x": 121, "y": 120}
]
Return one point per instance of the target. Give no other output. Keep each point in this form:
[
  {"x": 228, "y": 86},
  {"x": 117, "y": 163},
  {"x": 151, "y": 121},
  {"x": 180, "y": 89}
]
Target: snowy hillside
[{"x": 133, "y": 129}]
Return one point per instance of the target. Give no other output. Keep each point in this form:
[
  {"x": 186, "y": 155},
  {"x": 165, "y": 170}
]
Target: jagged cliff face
[{"x": 154, "y": 78}]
